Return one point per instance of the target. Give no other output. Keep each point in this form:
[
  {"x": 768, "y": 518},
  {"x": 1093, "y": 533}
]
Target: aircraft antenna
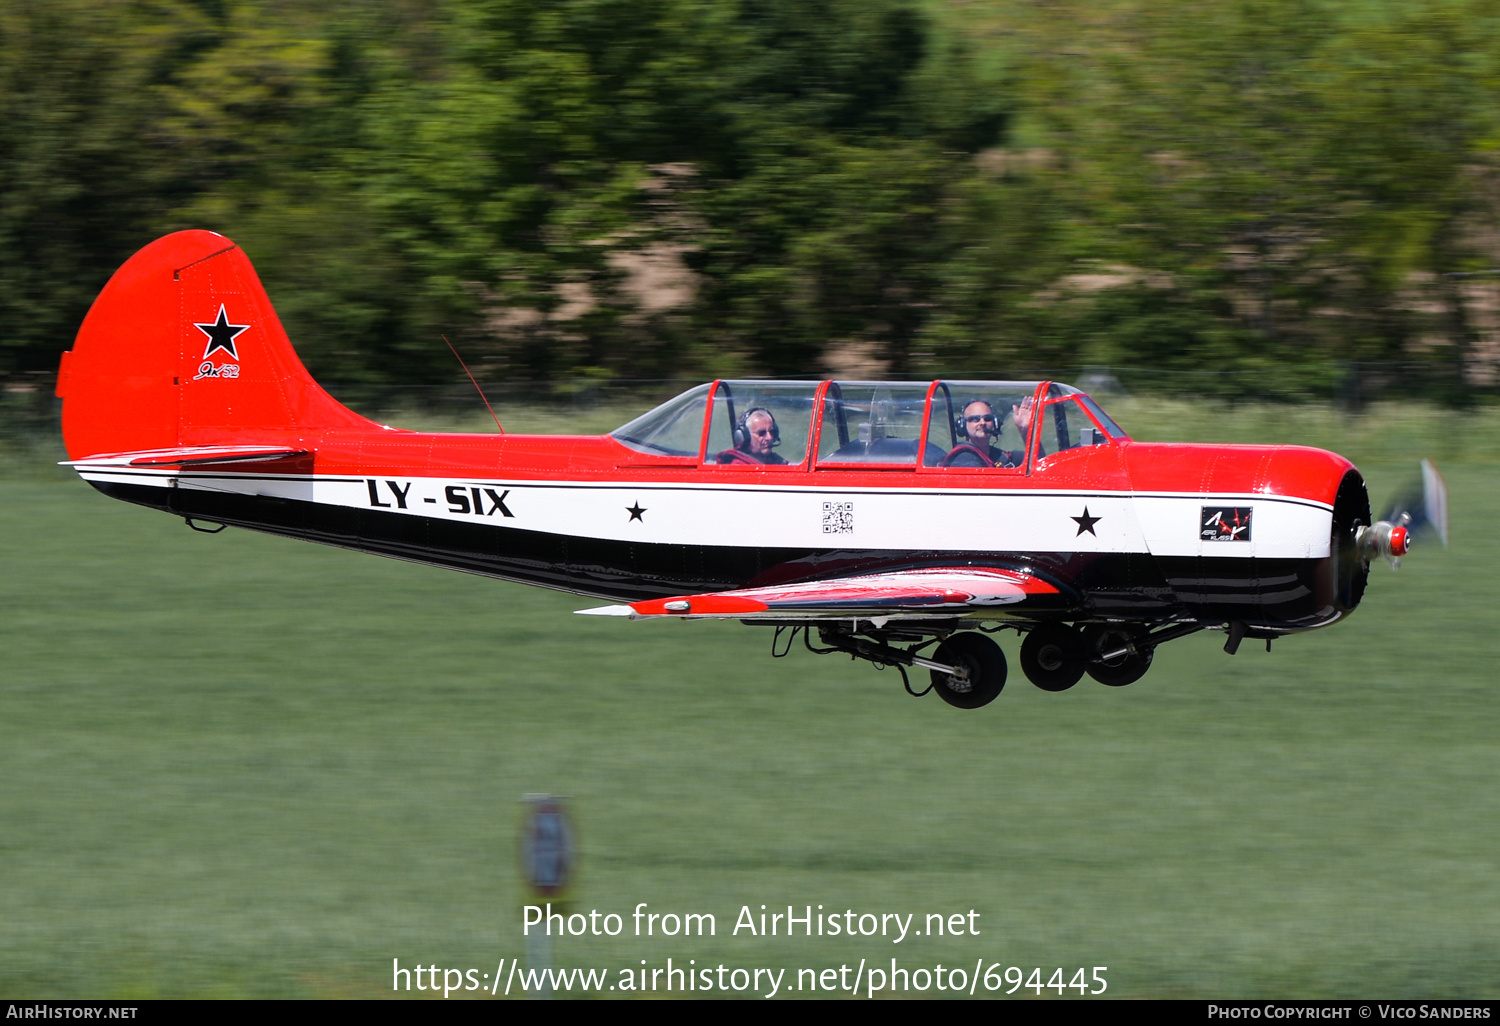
[{"x": 465, "y": 366}]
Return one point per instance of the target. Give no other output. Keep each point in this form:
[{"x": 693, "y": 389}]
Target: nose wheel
[{"x": 1114, "y": 656}]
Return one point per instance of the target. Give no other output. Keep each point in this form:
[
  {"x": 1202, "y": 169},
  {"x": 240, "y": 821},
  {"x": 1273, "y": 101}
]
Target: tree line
[{"x": 1258, "y": 194}]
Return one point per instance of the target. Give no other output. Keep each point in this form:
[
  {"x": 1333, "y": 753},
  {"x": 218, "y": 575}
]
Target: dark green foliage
[
  {"x": 80, "y": 162},
  {"x": 1294, "y": 182},
  {"x": 655, "y": 188}
]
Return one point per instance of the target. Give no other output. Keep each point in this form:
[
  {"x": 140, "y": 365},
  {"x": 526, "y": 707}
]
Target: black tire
[
  {"x": 1126, "y": 669},
  {"x": 1053, "y": 657},
  {"x": 986, "y": 665}
]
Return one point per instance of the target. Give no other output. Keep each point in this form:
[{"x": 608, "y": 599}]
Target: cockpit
[{"x": 977, "y": 426}]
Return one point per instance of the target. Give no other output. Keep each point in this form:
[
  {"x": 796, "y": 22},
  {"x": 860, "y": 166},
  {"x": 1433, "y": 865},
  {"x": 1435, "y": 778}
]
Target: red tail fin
[{"x": 182, "y": 348}]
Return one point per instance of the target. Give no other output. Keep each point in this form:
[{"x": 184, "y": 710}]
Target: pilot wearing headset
[
  {"x": 977, "y": 429},
  {"x": 755, "y": 435}
]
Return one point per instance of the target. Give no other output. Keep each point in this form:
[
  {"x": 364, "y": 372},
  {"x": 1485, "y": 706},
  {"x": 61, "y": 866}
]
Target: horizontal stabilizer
[
  {"x": 903, "y": 593},
  {"x": 191, "y": 456}
]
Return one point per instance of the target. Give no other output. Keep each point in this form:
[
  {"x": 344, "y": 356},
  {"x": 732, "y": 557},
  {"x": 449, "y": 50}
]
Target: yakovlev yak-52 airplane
[{"x": 883, "y": 517}]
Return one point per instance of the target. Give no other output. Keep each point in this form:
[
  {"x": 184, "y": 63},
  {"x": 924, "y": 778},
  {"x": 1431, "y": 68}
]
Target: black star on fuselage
[
  {"x": 1086, "y": 522},
  {"x": 221, "y": 335},
  {"x": 635, "y": 511}
]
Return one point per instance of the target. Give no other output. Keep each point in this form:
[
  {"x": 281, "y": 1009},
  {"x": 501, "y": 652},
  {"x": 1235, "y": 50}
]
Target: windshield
[{"x": 1105, "y": 421}]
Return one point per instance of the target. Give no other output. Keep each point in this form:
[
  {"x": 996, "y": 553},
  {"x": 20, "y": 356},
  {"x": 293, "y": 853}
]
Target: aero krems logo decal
[
  {"x": 221, "y": 335},
  {"x": 1226, "y": 523}
]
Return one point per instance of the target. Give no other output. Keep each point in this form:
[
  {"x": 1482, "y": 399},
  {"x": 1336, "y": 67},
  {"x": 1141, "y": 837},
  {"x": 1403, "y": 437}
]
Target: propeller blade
[
  {"x": 1420, "y": 506},
  {"x": 1424, "y": 500},
  {"x": 1435, "y": 500}
]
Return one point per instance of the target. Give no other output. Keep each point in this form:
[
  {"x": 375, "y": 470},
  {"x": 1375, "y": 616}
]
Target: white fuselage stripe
[{"x": 803, "y": 515}]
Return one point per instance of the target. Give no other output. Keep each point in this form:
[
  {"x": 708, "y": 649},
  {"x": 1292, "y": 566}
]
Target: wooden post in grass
[{"x": 548, "y": 855}]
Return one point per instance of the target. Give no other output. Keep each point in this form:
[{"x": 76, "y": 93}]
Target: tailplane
[{"x": 183, "y": 350}]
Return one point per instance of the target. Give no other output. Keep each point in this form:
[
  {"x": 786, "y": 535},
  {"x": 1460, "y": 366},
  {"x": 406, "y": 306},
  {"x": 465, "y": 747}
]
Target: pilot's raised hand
[{"x": 1022, "y": 416}]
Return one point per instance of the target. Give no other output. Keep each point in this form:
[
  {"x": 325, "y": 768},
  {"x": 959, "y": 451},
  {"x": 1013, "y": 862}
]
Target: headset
[
  {"x": 742, "y": 433},
  {"x": 961, "y": 427}
]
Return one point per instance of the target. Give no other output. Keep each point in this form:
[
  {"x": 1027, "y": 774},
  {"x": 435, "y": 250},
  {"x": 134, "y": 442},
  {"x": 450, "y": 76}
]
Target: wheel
[
  {"x": 986, "y": 666},
  {"x": 1122, "y": 670},
  {"x": 1053, "y": 657}
]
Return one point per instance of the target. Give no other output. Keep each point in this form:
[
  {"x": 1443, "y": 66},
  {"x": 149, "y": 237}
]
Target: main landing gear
[
  {"x": 968, "y": 670},
  {"x": 1053, "y": 657},
  {"x": 980, "y": 667}
]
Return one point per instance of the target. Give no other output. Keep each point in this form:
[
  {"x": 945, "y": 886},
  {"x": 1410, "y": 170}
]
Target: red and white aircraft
[{"x": 888, "y": 516}]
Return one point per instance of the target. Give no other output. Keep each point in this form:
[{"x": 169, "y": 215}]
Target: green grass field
[{"x": 243, "y": 766}]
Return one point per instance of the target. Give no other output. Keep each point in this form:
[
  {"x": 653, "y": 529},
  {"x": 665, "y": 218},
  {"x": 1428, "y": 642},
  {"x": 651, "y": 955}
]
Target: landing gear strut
[{"x": 968, "y": 670}]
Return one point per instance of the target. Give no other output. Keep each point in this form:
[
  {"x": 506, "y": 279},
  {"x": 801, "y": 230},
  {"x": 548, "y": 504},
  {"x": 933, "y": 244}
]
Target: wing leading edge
[
  {"x": 191, "y": 456},
  {"x": 955, "y": 591}
]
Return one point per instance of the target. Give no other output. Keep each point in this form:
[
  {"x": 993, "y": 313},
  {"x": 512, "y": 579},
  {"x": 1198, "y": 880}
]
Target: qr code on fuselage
[{"x": 838, "y": 518}]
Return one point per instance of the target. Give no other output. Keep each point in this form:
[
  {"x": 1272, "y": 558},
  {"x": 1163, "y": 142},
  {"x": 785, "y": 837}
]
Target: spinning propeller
[{"x": 1419, "y": 507}]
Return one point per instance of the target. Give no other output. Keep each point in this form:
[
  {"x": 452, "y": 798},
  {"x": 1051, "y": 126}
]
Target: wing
[
  {"x": 190, "y": 456},
  {"x": 906, "y": 593}
]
